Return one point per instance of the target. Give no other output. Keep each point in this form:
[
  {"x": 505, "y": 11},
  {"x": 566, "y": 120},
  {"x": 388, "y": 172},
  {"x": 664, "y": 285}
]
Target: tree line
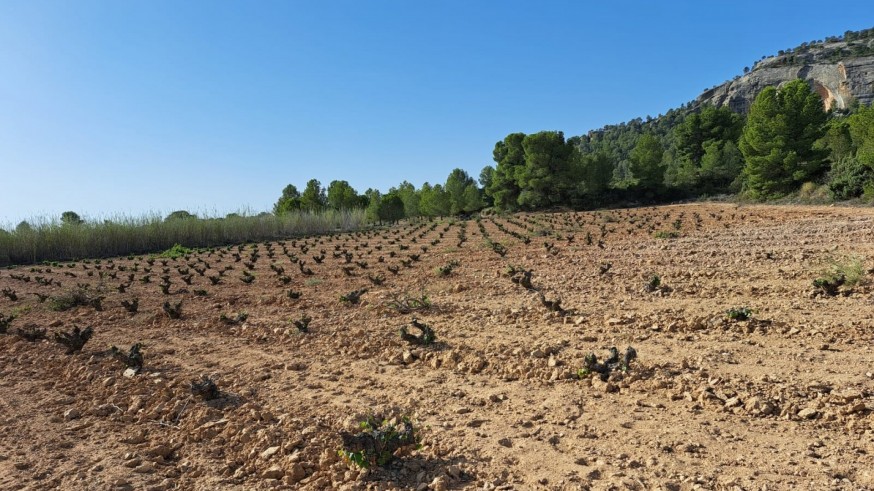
[{"x": 787, "y": 141}]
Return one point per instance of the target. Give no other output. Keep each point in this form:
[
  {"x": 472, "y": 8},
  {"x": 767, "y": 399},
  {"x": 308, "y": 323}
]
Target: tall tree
[
  {"x": 434, "y": 200},
  {"x": 862, "y": 133},
  {"x": 646, "y": 163},
  {"x": 544, "y": 180},
  {"x": 71, "y": 218},
  {"x": 410, "y": 197},
  {"x": 374, "y": 198},
  {"x": 313, "y": 197},
  {"x": 391, "y": 207},
  {"x": 510, "y": 158},
  {"x": 290, "y": 200},
  {"x": 456, "y": 184},
  {"x": 486, "y": 177},
  {"x": 341, "y": 196},
  {"x": 778, "y": 140}
]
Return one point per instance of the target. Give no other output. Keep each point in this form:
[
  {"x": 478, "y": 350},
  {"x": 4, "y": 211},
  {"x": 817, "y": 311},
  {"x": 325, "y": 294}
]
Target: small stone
[
  {"x": 274, "y": 472},
  {"x": 407, "y": 357},
  {"x": 552, "y": 362},
  {"x": 808, "y": 413},
  {"x": 505, "y": 442},
  {"x": 439, "y": 484},
  {"x": 129, "y": 373},
  {"x": 296, "y": 473},
  {"x": 145, "y": 468},
  {"x": 71, "y": 414},
  {"x": 851, "y": 395},
  {"x": 162, "y": 451},
  {"x": 270, "y": 452}
]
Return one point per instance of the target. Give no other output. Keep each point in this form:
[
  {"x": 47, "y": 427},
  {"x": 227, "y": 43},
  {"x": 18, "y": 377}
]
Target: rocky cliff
[{"x": 839, "y": 71}]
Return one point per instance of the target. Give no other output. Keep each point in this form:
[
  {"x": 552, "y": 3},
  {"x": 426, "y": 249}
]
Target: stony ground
[{"x": 783, "y": 400}]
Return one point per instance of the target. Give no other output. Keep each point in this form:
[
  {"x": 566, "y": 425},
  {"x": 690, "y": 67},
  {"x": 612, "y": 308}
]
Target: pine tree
[{"x": 778, "y": 140}]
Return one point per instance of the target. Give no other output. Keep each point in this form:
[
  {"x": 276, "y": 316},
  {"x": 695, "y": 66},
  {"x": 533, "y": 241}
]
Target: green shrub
[
  {"x": 667, "y": 234},
  {"x": 176, "y": 252},
  {"x": 848, "y": 177},
  {"x": 378, "y": 441}
]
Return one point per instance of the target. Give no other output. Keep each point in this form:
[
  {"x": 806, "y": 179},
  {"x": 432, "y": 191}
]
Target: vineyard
[{"x": 703, "y": 346}]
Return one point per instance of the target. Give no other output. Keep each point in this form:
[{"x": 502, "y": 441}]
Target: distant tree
[
  {"x": 313, "y": 197},
  {"x": 433, "y": 201},
  {"x": 179, "y": 215},
  {"x": 597, "y": 172},
  {"x": 700, "y": 135},
  {"x": 646, "y": 163},
  {"x": 374, "y": 198},
  {"x": 486, "y": 176},
  {"x": 778, "y": 140},
  {"x": 471, "y": 199},
  {"x": 23, "y": 227},
  {"x": 289, "y": 201},
  {"x": 861, "y": 127},
  {"x": 837, "y": 140},
  {"x": 848, "y": 178},
  {"x": 721, "y": 167},
  {"x": 456, "y": 184},
  {"x": 544, "y": 180},
  {"x": 341, "y": 196},
  {"x": 391, "y": 208},
  {"x": 410, "y": 196},
  {"x": 510, "y": 158},
  {"x": 71, "y": 218}
]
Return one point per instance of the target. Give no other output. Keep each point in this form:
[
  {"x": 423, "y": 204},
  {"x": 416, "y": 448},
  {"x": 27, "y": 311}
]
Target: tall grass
[{"x": 53, "y": 241}]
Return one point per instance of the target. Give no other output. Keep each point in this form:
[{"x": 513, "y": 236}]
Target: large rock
[{"x": 837, "y": 78}]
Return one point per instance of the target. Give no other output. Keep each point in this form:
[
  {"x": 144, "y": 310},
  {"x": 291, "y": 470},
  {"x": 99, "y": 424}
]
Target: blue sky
[{"x": 129, "y": 107}]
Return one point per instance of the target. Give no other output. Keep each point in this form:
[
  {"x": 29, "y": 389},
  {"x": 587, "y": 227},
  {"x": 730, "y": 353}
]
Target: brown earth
[{"x": 784, "y": 400}]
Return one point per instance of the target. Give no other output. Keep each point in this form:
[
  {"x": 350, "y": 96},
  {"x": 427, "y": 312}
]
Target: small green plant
[
  {"x": 353, "y": 297},
  {"x": 292, "y": 294},
  {"x": 551, "y": 305},
  {"x": 739, "y": 313},
  {"x": 237, "y": 319},
  {"x": 303, "y": 324},
  {"x": 377, "y": 442},
  {"x": 31, "y": 333},
  {"x": 405, "y": 303},
  {"x": 667, "y": 234},
  {"x": 173, "y": 311},
  {"x": 498, "y": 248},
  {"x": 377, "y": 279},
  {"x": 5, "y": 321},
  {"x": 654, "y": 283},
  {"x": 205, "y": 388},
  {"x": 10, "y": 294},
  {"x": 132, "y": 359},
  {"x": 80, "y": 296},
  {"x": 426, "y": 337},
  {"x": 613, "y": 362},
  {"x": 847, "y": 271},
  {"x": 131, "y": 305},
  {"x": 176, "y": 252},
  {"x": 446, "y": 270}
]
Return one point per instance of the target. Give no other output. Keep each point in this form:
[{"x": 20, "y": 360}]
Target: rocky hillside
[{"x": 839, "y": 69}]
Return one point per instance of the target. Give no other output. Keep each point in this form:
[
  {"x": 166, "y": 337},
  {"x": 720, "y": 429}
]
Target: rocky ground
[{"x": 501, "y": 400}]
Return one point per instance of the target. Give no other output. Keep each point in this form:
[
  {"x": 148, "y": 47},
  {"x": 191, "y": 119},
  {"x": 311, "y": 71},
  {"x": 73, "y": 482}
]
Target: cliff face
[{"x": 837, "y": 78}]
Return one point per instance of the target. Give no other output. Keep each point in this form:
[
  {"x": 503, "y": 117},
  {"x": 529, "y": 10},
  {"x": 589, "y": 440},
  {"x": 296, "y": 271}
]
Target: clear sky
[{"x": 127, "y": 107}]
